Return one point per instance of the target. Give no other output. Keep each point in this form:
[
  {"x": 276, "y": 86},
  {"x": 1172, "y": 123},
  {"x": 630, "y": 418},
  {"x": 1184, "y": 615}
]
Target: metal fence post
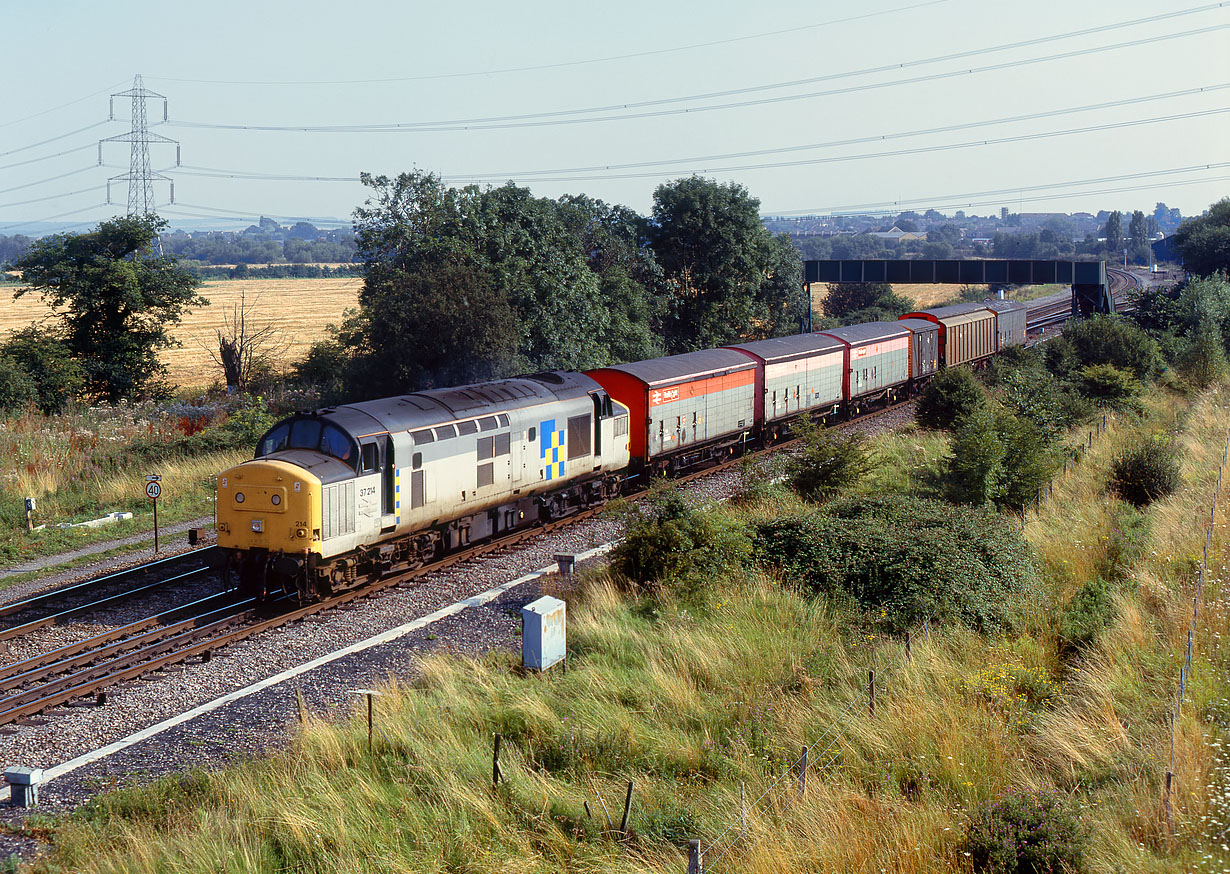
[
  {"x": 802, "y": 765},
  {"x": 871, "y": 692},
  {"x": 696, "y": 864}
]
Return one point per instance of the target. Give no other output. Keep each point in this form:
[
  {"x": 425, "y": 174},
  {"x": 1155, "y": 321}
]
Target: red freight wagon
[{"x": 684, "y": 404}]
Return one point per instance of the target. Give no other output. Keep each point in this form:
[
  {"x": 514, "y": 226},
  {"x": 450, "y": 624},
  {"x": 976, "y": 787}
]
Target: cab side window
[
  {"x": 275, "y": 440},
  {"x": 370, "y": 458},
  {"x": 335, "y": 442}
]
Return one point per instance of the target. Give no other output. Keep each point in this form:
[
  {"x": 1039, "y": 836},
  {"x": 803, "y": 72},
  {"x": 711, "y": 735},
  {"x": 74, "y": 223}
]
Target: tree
[
  {"x": 467, "y": 284},
  {"x": 1204, "y": 242},
  {"x": 1112, "y": 232},
  {"x": 57, "y": 377},
  {"x": 116, "y": 300},
  {"x": 732, "y": 279},
  {"x": 246, "y": 348},
  {"x": 1138, "y": 238},
  {"x": 851, "y": 303}
]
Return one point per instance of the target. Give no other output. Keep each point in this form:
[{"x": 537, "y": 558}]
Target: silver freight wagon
[
  {"x": 801, "y": 372},
  {"x": 697, "y": 400},
  {"x": 877, "y": 358},
  {"x": 1010, "y": 326}
]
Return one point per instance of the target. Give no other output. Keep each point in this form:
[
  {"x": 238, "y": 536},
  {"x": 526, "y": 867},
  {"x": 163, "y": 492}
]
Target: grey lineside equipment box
[
  {"x": 543, "y": 638},
  {"x": 23, "y": 785}
]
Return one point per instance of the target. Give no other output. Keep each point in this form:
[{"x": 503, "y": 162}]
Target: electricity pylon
[{"x": 140, "y": 177}]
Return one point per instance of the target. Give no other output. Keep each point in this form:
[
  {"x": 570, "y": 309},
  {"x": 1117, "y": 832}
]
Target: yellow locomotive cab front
[{"x": 269, "y": 507}]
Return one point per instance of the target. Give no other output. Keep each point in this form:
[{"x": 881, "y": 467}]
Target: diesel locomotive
[{"x": 341, "y": 495}]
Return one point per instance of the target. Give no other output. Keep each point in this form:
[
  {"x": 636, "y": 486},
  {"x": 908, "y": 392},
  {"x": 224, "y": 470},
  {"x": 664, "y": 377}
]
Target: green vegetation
[
  {"x": 117, "y": 302},
  {"x": 903, "y": 560},
  {"x": 1028, "y": 832},
  {"x": 851, "y": 303},
  {"x": 952, "y": 395},
  {"x": 669, "y": 545},
  {"x": 1204, "y": 242},
  {"x": 1146, "y": 471},
  {"x": 826, "y": 463}
]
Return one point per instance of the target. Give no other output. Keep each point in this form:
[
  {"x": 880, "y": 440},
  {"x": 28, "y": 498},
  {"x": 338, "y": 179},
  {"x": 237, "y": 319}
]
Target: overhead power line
[
  {"x": 918, "y": 150},
  {"x": 44, "y": 181},
  {"x": 53, "y": 217},
  {"x": 643, "y": 109},
  {"x": 875, "y": 138},
  {"x": 47, "y": 157},
  {"x": 54, "y": 196},
  {"x": 1017, "y": 191},
  {"x": 53, "y": 139},
  {"x": 681, "y": 164},
  {"x": 558, "y": 64},
  {"x": 61, "y": 106}
]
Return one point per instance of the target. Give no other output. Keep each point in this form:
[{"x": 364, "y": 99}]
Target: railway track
[{"x": 80, "y": 673}]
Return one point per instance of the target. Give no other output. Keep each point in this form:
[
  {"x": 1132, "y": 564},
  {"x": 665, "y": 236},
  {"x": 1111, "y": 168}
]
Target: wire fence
[
  {"x": 1185, "y": 670},
  {"x": 816, "y": 758},
  {"x": 819, "y": 756}
]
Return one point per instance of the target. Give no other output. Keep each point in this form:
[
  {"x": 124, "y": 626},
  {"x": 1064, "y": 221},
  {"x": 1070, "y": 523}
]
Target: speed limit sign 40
[{"x": 153, "y": 490}]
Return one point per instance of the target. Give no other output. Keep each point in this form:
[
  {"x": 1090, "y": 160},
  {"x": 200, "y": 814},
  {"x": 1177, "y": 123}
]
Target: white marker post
[{"x": 153, "y": 488}]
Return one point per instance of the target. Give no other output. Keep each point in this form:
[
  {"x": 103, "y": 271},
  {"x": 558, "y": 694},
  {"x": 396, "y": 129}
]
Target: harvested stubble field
[{"x": 300, "y": 309}]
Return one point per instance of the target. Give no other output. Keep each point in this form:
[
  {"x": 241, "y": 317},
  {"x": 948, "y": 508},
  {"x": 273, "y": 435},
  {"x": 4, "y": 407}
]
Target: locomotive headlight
[
  {"x": 238, "y": 497},
  {"x": 258, "y": 526},
  {"x": 275, "y": 499}
]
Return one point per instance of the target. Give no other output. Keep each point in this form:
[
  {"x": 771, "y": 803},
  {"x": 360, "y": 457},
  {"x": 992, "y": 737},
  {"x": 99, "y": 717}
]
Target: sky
[{"x": 814, "y": 107}]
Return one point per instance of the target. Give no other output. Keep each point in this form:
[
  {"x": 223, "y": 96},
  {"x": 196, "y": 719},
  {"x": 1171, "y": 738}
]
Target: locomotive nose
[{"x": 269, "y": 505}]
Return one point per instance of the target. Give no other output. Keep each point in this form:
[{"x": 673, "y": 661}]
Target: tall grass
[
  {"x": 692, "y": 698},
  {"x": 79, "y": 464}
]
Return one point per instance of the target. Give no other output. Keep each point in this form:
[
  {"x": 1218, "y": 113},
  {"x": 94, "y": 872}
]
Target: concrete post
[{"x": 23, "y": 783}]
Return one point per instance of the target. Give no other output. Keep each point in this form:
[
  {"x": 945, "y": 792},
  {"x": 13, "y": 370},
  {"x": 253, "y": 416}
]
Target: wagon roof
[
  {"x": 869, "y": 332},
  {"x": 437, "y": 406},
  {"x": 918, "y": 325},
  {"x": 956, "y": 309},
  {"x": 1005, "y": 306},
  {"x": 689, "y": 365},
  {"x": 790, "y": 347}
]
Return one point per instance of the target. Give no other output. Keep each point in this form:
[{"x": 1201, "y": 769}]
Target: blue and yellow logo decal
[{"x": 551, "y": 449}]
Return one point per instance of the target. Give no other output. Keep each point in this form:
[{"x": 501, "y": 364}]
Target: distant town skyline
[{"x": 815, "y": 108}]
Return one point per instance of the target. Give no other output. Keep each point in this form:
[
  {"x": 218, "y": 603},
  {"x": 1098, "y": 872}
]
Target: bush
[
  {"x": 669, "y": 544},
  {"x": 827, "y": 462},
  {"x": 1087, "y": 614},
  {"x": 908, "y": 558},
  {"x": 57, "y": 376},
  {"x": 1024, "y": 385},
  {"x": 17, "y": 387},
  {"x": 951, "y": 396},
  {"x": 759, "y": 480},
  {"x": 1146, "y": 472},
  {"x": 997, "y": 458},
  {"x": 1028, "y": 831},
  {"x": 1203, "y": 360},
  {"x": 1105, "y": 340},
  {"x": 1110, "y": 386}
]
